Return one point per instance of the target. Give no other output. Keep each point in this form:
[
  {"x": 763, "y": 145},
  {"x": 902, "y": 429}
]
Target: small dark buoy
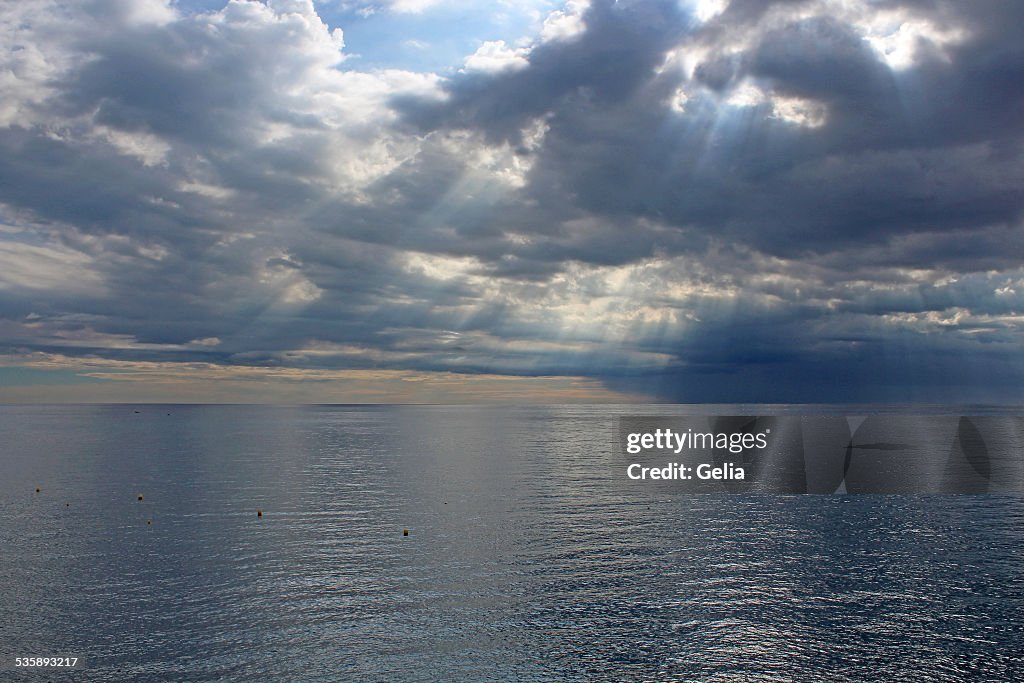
[
  {"x": 149, "y": 521},
  {"x": 136, "y": 412},
  {"x": 259, "y": 513},
  {"x": 37, "y": 489},
  {"x": 67, "y": 505},
  {"x": 140, "y": 496},
  {"x": 405, "y": 532}
]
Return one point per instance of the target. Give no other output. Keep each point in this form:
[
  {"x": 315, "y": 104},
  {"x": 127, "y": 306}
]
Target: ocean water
[{"x": 529, "y": 557}]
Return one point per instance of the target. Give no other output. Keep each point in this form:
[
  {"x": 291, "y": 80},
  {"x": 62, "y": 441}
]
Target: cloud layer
[{"x": 694, "y": 201}]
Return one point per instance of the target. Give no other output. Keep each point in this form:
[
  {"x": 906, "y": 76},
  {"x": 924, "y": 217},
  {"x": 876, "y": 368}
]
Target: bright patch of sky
[{"x": 421, "y": 35}]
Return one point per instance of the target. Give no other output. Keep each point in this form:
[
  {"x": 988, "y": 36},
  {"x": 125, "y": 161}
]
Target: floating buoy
[
  {"x": 140, "y": 496},
  {"x": 405, "y": 532},
  {"x": 259, "y": 513},
  {"x": 149, "y": 521},
  {"x": 67, "y": 505},
  {"x": 37, "y": 489}
]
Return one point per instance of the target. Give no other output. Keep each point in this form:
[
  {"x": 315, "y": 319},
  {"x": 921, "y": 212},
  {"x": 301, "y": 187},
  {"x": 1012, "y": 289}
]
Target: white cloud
[
  {"x": 706, "y": 10},
  {"x": 798, "y": 111},
  {"x": 49, "y": 267},
  {"x": 146, "y": 147},
  {"x": 205, "y": 342},
  {"x": 565, "y": 23},
  {"x": 413, "y": 6},
  {"x": 898, "y": 35},
  {"x": 495, "y": 56}
]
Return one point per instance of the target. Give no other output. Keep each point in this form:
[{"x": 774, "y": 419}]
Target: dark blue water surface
[{"x": 529, "y": 557}]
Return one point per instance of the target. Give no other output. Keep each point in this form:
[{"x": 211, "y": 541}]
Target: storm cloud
[{"x": 692, "y": 201}]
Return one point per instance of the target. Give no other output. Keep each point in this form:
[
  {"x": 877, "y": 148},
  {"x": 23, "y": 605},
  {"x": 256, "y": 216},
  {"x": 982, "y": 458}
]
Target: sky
[{"x": 452, "y": 201}]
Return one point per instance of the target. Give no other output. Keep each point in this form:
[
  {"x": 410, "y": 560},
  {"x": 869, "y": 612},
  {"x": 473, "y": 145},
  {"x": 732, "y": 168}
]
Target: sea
[{"x": 470, "y": 543}]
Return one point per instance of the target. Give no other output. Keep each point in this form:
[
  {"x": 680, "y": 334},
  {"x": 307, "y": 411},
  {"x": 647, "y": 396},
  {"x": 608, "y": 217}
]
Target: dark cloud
[{"x": 608, "y": 64}]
